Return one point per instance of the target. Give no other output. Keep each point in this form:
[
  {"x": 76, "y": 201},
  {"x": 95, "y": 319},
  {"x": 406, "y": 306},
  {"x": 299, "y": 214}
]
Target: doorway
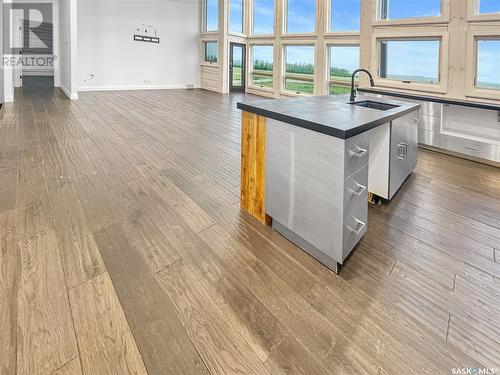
[
  {"x": 38, "y": 51},
  {"x": 237, "y": 67}
]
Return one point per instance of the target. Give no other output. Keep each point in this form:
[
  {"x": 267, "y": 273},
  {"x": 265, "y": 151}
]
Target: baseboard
[
  {"x": 69, "y": 94},
  {"x": 135, "y": 88},
  {"x": 9, "y": 99}
]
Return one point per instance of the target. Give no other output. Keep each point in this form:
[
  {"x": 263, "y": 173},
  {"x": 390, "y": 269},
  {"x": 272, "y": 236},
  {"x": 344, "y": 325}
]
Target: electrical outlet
[{"x": 147, "y": 81}]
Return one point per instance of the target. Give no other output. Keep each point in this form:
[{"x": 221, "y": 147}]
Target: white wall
[
  {"x": 107, "y": 51},
  {"x": 68, "y": 47}
]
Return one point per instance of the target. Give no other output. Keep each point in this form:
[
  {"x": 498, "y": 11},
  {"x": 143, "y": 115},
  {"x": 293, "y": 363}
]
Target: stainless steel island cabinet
[
  {"x": 306, "y": 167},
  {"x": 317, "y": 190}
]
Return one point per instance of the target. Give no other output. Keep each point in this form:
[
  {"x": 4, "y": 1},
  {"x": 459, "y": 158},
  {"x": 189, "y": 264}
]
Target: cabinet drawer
[
  {"x": 355, "y": 209},
  {"x": 354, "y": 228},
  {"x": 356, "y": 193},
  {"x": 356, "y": 154}
]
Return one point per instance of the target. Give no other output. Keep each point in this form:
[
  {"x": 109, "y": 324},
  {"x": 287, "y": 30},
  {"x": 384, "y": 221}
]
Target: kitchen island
[{"x": 307, "y": 165}]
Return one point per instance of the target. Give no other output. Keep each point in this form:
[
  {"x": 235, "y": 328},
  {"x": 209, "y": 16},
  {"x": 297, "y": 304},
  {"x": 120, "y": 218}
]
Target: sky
[
  {"x": 263, "y": 17},
  {"x": 489, "y": 6},
  {"x": 236, "y": 16},
  {"x": 415, "y": 8},
  {"x": 212, "y": 15},
  {"x": 345, "y": 15},
  {"x": 301, "y": 16},
  {"x": 413, "y": 58},
  {"x": 488, "y": 61}
]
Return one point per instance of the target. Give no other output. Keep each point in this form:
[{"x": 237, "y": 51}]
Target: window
[
  {"x": 410, "y": 60},
  {"x": 211, "y": 52},
  {"x": 236, "y": 16},
  {"x": 343, "y": 61},
  {"x": 345, "y": 15},
  {"x": 489, "y": 6},
  {"x": 263, "y": 17},
  {"x": 262, "y": 66},
  {"x": 211, "y": 15},
  {"x": 299, "y": 69},
  {"x": 300, "y": 16},
  {"x": 397, "y": 9},
  {"x": 488, "y": 56}
]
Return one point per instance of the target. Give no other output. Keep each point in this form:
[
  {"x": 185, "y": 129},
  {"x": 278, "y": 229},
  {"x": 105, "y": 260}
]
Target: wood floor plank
[
  {"x": 9, "y": 251},
  {"x": 46, "y": 339},
  {"x": 401, "y": 245},
  {"x": 185, "y": 207},
  {"x": 8, "y": 188},
  {"x": 291, "y": 358},
  {"x": 479, "y": 346},
  {"x": 245, "y": 312},
  {"x": 8, "y": 325},
  {"x": 322, "y": 339},
  {"x": 33, "y": 202},
  {"x": 105, "y": 342},
  {"x": 221, "y": 347},
  {"x": 461, "y": 306},
  {"x": 72, "y": 367},
  {"x": 80, "y": 255},
  {"x": 159, "y": 335}
]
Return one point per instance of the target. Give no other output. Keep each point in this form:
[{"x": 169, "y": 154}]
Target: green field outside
[
  {"x": 263, "y": 81},
  {"x": 302, "y": 87},
  {"x": 236, "y": 75},
  {"x": 339, "y": 90}
]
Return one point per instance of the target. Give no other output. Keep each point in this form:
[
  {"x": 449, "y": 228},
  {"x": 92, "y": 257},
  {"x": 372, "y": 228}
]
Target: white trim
[
  {"x": 69, "y": 94},
  {"x": 138, "y": 87},
  {"x": 9, "y": 99}
]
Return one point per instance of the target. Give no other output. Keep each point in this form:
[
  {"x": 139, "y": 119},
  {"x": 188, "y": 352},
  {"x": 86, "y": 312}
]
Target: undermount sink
[{"x": 375, "y": 105}]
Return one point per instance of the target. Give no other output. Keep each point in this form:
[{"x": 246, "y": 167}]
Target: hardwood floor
[{"x": 123, "y": 250}]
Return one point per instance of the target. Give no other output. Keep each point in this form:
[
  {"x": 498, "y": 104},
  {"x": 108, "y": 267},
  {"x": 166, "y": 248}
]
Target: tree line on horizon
[{"x": 300, "y": 68}]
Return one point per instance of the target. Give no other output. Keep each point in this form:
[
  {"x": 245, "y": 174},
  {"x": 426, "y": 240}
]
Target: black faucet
[{"x": 353, "y": 90}]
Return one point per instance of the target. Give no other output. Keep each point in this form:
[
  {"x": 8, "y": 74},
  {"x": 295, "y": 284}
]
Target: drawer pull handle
[
  {"x": 360, "y": 191},
  {"x": 359, "y": 228},
  {"x": 360, "y": 152},
  {"x": 402, "y": 151}
]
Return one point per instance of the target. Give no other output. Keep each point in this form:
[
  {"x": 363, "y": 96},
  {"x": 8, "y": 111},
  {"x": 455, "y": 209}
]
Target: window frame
[
  {"x": 250, "y": 65},
  {"x": 328, "y": 19},
  {"x": 337, "y": 43},
  {"x": 204, "y": 18},
  {"x": 284, "y": 15},
  {"x": 474, "y": 15},
  {"x": 442, "y": 85},
  {"x": 251, "y": 26},
  {"x": 444, "y": 17},
  {"x": 472, "y": 91},
  {"x": 243, "y": 18},
  {"x": 284, "y": 75},
  {"x": 203, "y": 52}
]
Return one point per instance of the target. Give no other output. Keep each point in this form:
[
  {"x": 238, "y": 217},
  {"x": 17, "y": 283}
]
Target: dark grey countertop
[{"x": 331, "y": 115}]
